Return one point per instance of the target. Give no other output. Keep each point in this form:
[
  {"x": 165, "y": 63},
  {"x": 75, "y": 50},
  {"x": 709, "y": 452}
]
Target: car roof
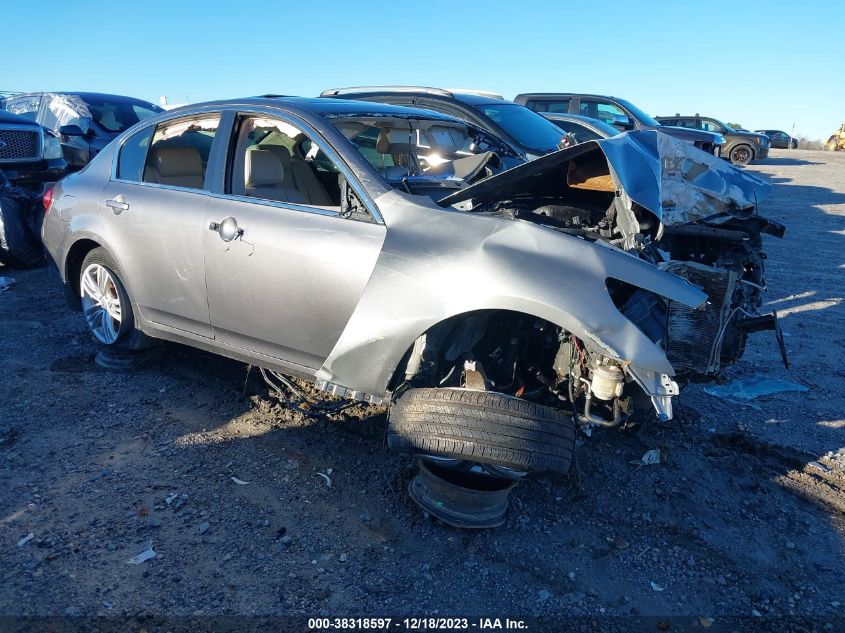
[
  {"x": 467, "y": 96},
  {"x": 566, "y": 94},
  {"x": 325, "y": 107}
]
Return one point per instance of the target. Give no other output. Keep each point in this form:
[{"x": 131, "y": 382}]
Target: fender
[{"x": 440, "y": 263}]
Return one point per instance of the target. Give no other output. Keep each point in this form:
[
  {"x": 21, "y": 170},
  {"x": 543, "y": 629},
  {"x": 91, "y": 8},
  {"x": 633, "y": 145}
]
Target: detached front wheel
[{"x": 482, "y": 427}]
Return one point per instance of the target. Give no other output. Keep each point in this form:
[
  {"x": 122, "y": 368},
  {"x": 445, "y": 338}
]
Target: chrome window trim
[
  {"x": 156, "y": 185},
  {"x": 290, "y": 206},
  {"x": 330, "y": 151},
  {"x": 24, "y": 128}
]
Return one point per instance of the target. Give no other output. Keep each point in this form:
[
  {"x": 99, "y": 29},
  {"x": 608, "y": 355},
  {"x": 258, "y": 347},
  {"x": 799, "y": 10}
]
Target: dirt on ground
[{"x": 252, "y": 509}]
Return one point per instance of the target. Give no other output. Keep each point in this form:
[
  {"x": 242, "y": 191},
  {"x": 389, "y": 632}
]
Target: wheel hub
[
  {"x": 101, "y": 303},
  {"x": 461, "y": 499}
]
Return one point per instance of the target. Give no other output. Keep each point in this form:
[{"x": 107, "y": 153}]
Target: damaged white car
[{"x": 375, "y": 251}]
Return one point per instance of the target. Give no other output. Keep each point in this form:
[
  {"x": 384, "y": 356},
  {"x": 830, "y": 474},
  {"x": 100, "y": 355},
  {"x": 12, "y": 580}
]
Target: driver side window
[{"x": 275, "y": 160}]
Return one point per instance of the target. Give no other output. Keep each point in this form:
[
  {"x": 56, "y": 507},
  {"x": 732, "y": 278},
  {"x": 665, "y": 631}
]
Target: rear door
[
  {"x": 154, "y": 209},
  {"x": 284, "y": 283}
]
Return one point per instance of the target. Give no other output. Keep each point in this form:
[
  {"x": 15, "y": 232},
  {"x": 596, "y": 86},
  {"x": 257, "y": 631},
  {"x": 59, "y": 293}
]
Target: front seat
[
  {"x": 265, "y": 178},
  {"x": 175, "y": 166},
  {"x": 391, "y": 141},
  {"x": 300, "y": 176}
]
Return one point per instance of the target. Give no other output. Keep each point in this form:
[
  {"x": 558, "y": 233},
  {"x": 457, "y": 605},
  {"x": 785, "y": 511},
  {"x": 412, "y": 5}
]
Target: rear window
[
  {"x": 133, "y": 155},
  {"x": 118, "y": 116}
]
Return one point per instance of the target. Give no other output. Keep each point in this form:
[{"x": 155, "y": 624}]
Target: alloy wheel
[{"x": 101, "y": 303}]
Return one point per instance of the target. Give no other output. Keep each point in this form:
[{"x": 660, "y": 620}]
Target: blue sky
[{"x": 762, "y": 64}]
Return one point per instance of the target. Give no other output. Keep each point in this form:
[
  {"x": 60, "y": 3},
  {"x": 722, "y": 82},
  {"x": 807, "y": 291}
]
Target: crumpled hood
[{"x": 673, "y": 179}]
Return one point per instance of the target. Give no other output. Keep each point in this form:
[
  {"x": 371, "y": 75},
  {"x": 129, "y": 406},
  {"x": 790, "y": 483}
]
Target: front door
[
  {"x": 284, "y": 268},
  {"x": 154, "y": 211}
]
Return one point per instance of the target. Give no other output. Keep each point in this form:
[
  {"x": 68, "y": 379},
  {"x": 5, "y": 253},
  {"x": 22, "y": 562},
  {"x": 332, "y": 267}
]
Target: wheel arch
[
  {"x": 452, "y": 324},
  {"x": 743, "y": 144},
  {"x": 73, "y": 264}
]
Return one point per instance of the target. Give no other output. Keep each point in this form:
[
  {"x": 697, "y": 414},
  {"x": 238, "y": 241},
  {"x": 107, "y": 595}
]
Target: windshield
[
  {"x": 644, "y": 118},
  {"x": 526, "y": 127},
  {"x": 399, "y": 147},
  {"x": 117, "y": 116},
  {"x": 722, "y": 127}
]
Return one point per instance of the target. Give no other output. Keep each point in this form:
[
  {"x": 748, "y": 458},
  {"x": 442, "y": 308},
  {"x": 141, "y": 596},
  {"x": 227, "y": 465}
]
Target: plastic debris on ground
[
  {"x": 146, "y": 554},
  {"x": 656, "y": 587},
  {"x": 6, "y": 283},
  {"x": 240, "y": 482},
  {"x": 744, "y": 390},
  {"x": 327, "y": 477},
  {"x": 649, "y": 458},
  {"x": 26, "y": 539}
]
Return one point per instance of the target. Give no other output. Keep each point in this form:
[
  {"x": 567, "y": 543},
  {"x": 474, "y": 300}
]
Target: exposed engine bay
[{"x": 670, "y": 204}]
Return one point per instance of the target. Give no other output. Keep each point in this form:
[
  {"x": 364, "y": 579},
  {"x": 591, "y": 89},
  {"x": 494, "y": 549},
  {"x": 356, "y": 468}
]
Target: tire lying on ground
[{"x": 483, "y": 427}]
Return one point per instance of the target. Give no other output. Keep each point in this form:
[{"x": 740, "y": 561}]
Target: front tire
[
  {"x": 741, "y": 155},
  {"x": 482, "y": 427},
  {"x": 106, "y": 305}
]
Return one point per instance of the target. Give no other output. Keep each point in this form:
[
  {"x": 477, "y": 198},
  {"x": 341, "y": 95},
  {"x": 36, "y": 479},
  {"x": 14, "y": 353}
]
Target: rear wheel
[
  {"x": 106, "y": 305},
  {"x": 482, "y": 427},
  {"x": 741, "y": 155},
  {"x": 793, "y": 144}
]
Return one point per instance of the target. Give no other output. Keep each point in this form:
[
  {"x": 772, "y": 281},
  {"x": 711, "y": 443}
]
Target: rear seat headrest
[
  {"x": 176, "y": 161},
  {"x": 393, "y": 141}
]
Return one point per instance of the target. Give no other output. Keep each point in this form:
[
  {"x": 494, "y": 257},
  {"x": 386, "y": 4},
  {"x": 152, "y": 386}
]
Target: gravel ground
[{"x": 744, "y": 518}]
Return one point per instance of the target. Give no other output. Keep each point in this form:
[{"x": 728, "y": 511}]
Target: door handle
[
  {"x": 117, "y": 204},
  {"x": 227, "y": 229}
]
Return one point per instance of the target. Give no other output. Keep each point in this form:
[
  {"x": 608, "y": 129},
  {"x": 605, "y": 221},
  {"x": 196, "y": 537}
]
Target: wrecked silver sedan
[{"x": 381, "y": 253}]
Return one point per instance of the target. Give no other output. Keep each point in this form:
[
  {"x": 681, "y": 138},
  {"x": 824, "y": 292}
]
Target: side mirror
[
  {"x": 71, "y": 130},
  {"x": 622, "y": 122}
]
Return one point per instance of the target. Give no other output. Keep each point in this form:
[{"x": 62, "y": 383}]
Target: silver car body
[{"x": 334, "y": 299}]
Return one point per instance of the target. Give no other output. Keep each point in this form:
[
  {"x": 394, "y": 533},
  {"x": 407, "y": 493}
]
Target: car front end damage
[
  {"x": 531, "y": 313},
  {"x": 659, "y": 198}
]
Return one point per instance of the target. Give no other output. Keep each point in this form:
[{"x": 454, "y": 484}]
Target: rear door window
[
  {"x": 179, "y": 151},
  {"x": 602, "y": 110},
  {"x": 133, "y": 155},
  {"x": 548, "y": 105}
]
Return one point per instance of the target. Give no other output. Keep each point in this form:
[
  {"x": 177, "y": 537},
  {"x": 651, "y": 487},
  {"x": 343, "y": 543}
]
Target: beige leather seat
[
  {"x": 176, "y": 166},
  {"x": 300, "y": 176},
  {"x": 265, "y": 178},
  {"x": 393, "y": 142}
]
